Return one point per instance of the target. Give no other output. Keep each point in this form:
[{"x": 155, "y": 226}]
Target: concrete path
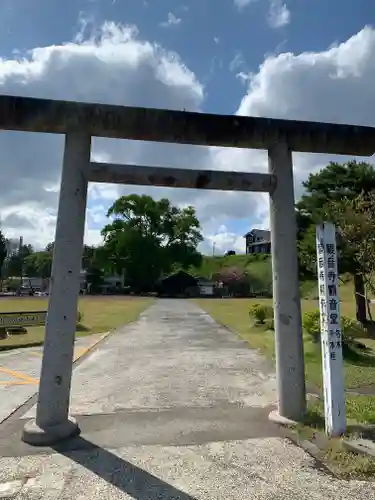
[
  {"x": 173, "y": 406},
  {"x": 20, "y": 371}
]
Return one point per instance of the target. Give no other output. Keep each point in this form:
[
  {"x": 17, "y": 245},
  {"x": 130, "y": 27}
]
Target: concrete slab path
[
  {"x": 173, "y": 406},
  {"x": 20, "y": 371}
]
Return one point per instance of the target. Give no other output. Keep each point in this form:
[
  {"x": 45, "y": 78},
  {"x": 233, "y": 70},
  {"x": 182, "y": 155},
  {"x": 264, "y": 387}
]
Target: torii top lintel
[{"x": 161, "y": 125}]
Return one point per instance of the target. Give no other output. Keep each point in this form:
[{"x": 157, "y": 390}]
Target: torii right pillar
[{"x": 290, "y": 366}]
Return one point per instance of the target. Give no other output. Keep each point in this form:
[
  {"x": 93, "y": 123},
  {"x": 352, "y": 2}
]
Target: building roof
[
  {"x": 264, "y": 233},
  {"x": 179, "y": 276}
]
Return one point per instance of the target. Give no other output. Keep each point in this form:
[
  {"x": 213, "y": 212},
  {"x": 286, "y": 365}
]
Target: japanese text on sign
[
  {"x": 328, "y": 296},
  {"x": 331, "y": 337}
]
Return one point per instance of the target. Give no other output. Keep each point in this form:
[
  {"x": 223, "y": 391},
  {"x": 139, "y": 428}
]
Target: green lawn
[
  {"x": 359, "y": 371},
  {"x": 234, "y": 313},
  {"x": 99, "y": 314}
]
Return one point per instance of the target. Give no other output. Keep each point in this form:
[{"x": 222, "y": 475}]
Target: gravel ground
[{"x": 172, "y": 406}]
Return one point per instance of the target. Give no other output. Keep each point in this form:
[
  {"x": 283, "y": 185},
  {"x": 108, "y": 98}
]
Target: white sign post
[{"x": 331, "y": 337}]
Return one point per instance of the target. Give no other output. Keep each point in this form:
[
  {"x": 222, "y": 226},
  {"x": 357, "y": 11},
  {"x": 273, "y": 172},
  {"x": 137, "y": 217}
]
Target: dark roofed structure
[{"x": 176, "y": 284}]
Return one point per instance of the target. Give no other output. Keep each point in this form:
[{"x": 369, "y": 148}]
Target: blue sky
[
  {"x": 233, "y": 58},
  {"x": 242, "y": 33}
]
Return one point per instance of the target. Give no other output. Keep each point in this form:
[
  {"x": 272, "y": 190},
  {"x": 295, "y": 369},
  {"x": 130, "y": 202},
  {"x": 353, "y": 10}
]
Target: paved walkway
[
  {"x": 20, "y": 371},
  {"x": 173, "y": 406}
]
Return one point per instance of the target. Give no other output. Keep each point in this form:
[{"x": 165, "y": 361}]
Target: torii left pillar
[{"x": 53, "y": 423}]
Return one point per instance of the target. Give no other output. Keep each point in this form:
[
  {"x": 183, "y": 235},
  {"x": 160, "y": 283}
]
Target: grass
[
  {"x": 257, "y": 264},
  {"x": 344, "y": 463},
  {"x": 359, "y": 410},
  {"x": 99, "y": 314},
  {"x": 359, "y": 369},
  {"x": 259, "y": 267},
  {"x": 234, "y": 313}
]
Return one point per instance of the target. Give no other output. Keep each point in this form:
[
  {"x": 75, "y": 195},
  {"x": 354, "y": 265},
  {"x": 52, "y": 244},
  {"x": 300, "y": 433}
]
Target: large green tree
[
  {"x": 355, "y": 219},
  {"x": 38, "y": 264},
  {"x": 13, "y": 265},
  {"x": 324, "y": 192},
  {"x": 92, "y": 265},
  {"x": 147, "y": 238}
]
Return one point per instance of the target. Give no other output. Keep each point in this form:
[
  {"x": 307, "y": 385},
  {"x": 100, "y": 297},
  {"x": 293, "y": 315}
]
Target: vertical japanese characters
[
  {"x": 330, "y": 330},
  {"x": 328, "y": 296}
]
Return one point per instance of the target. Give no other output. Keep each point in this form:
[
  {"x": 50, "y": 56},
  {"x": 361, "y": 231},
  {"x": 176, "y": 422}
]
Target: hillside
[
  {"x": 257, "y": 267},
  {"x": 260, "y": 267}
]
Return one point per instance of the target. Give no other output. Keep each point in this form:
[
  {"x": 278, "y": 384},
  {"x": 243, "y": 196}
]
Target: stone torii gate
[{"x": 79, "y": 122}]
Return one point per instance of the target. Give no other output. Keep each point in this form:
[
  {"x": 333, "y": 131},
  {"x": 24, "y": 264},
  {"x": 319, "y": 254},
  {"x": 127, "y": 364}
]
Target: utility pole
[{"x": 21, "y": 255}]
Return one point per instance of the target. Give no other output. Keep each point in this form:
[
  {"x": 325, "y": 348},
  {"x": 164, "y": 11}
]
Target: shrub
[
  {"x": 235, "y": 279},
  {"x": 351, "y": 329},
  {"x": 12, "y": 284},
  {"x": 349, "y": 326},
  {"x": 311, "y": 324},
  {"x": 259, "y": 313},
  {"x": 269, "y": 311},
  {"x": 270, "y": 324}
]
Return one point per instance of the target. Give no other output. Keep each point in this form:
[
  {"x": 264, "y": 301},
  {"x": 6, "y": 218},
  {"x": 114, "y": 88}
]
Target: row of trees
[
  {"x": 145, "y": 238},
  {"x": 345, "y": 195}
]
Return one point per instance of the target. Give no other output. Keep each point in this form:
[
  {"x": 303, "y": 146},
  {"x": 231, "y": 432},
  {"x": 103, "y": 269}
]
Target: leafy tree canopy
[
  {"x": 327, "y": 194},
  {"x": 50, "y": 246},
  {"x": 13, "y": 265},
  {"x": 334, "y": 182},
  {"x": 38, "y": 264},
  {"x": 148, "y": 237}
]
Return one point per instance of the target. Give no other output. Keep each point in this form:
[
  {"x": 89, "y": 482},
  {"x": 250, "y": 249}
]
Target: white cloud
[
  {"x": 113, "y": 66},
  {"x": 279, "y": 14},
  {"x": 243, "y": 3},
  {"x": 224, "y": 240},
  {"x": 116, "y": 66},
  {"x": 172, "y": 20},
  {"x": 333, "y": 85}
]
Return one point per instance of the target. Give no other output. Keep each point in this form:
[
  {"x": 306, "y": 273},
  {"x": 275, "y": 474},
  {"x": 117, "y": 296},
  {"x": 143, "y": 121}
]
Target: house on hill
[{"x": 258, "y": 241}]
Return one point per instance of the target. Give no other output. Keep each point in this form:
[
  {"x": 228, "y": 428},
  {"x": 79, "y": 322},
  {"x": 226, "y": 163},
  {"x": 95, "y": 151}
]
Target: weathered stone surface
[
  {"x": 360, "y": 446},
  {"x": 181, "y": 177},
  {"x": 45, "y": 115}
]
